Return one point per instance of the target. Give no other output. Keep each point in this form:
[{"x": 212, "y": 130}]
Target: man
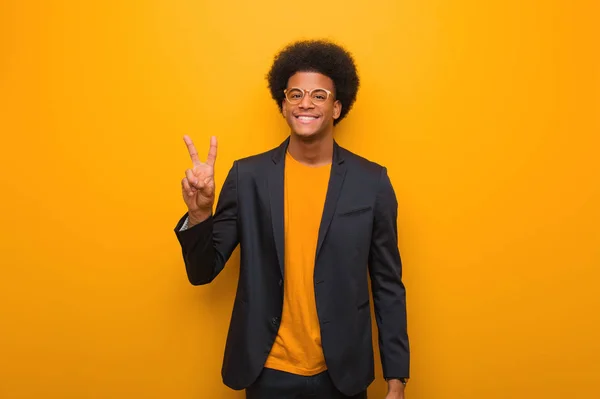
[{"x": 313, "y": 220}]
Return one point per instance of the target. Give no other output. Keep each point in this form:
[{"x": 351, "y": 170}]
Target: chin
[
  {"x": 303, "y": 131},
  {"x": 306, "y": 135}
]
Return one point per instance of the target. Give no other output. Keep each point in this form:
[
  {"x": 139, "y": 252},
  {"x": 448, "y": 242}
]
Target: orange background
[{"x": 485, "y": 113}]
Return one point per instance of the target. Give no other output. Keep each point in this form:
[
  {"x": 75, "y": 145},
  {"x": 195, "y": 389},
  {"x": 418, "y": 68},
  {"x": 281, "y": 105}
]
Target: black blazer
[{"x": 357, "y": 237}]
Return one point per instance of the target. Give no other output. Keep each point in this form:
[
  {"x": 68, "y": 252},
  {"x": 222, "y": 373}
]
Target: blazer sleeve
[
  {"x": 389, "y": 296},
  {"x": 207, "y": 246}
]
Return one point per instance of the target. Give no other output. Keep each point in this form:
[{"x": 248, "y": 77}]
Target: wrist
[
  {"x": 396, "y": 384},
  {"x": 198, "y": 216}
]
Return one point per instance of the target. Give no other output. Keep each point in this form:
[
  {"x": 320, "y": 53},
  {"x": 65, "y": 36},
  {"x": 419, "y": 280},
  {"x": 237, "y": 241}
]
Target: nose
[{"x": 306, "y": 102}]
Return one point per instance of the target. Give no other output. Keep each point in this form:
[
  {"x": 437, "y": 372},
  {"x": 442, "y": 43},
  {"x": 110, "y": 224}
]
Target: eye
[
  {"x": 294, "y": 95},
  {"x": 319, "y": 95}
]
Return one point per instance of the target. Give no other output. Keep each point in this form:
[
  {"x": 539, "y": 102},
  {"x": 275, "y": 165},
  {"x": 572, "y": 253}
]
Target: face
[{"x": 306, "y": 119}]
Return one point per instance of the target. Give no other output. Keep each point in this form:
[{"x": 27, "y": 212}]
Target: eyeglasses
[{"x": 295, "y": 95}]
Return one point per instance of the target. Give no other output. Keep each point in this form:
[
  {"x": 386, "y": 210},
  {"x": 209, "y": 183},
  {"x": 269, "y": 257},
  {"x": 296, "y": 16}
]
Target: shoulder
[
  {"x": 255, "y": 165},
  {"x": 256, "y": 159},
  {"x": 370, "y": 176},
  {"x": 358, "y": 164}
]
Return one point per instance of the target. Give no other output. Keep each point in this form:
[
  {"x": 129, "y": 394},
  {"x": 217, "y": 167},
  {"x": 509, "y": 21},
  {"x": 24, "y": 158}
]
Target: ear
[
  {"x": 337, "y": 109},
  {"x": 284, "y": 108}
]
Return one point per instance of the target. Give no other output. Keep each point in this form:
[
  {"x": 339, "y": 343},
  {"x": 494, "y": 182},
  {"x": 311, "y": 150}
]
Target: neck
[{"x": 315, "y": 151}]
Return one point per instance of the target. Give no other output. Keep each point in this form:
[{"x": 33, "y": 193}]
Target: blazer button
[
  {"x": 275, "y": 320},
  {"x": 280, "y": 282}
]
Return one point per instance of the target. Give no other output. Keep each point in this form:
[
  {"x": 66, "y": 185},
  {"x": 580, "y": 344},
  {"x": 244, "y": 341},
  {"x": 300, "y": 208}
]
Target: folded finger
[
  {"x": 192, "y": 180},
  {"x": 187, "y": 188}
]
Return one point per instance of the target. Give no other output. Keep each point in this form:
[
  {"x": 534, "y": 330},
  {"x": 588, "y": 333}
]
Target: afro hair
[{"x": 319, "y": 56}]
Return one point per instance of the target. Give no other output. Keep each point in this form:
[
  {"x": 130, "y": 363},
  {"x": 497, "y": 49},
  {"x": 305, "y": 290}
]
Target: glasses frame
[{"x": 304, "y": 92}]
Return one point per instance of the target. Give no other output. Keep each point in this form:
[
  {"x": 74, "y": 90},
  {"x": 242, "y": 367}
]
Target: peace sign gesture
[{"x": 198, "y": 185}]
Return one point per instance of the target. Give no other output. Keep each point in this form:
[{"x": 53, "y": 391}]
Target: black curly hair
[{"x": 320, "y": 56}]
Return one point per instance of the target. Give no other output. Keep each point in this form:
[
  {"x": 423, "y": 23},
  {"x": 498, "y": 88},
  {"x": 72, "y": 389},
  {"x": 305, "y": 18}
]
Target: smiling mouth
[{"x": 306, "y": 118}]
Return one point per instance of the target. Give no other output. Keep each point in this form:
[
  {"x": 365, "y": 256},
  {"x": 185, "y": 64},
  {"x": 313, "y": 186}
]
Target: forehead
[{"x": 310, "y": 80}]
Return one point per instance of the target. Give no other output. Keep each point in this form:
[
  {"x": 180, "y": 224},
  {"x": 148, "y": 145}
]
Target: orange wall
[{"x": 485, "y": 112}]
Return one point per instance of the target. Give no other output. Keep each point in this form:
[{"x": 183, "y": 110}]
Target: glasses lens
[
  {"x": 294, "y": 95},
  {"x": 319, "y": 96}
]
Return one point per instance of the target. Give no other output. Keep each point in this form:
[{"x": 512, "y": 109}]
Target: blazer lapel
[
  {"x": 276, "y": 186},
  {"x": 336, "y": 180}
]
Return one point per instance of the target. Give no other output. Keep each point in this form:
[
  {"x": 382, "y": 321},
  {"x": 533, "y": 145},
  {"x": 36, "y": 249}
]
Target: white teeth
[{"x": 306, "y": 118}]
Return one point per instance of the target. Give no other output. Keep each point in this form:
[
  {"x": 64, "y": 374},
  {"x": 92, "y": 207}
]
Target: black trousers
[{"x": 275, "y": 384}]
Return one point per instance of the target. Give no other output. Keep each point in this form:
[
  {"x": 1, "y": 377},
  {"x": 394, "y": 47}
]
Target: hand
[
  {"x": 198, "y": 185},
  {"x": 395, "y": 390}
]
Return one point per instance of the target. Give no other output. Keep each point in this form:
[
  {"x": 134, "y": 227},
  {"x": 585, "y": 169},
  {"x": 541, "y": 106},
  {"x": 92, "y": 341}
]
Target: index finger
[
  {"x": 192, "y": 150},
  {"x": 212, "y": 151}
]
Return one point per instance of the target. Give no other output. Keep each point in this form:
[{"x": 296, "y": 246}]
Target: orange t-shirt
[{"x": 297, "y": 348}]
